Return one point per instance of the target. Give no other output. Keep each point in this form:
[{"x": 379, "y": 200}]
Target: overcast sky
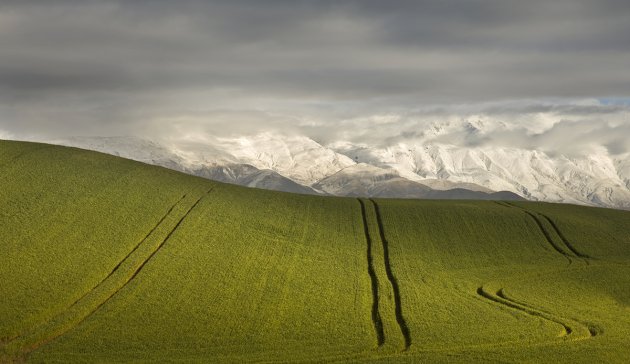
[{"x": 236, "y": 67}]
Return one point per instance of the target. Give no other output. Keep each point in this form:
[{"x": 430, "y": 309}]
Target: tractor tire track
[
  {"x": 542, "y": 229},
  {"x": 548, "y": 237},
  {"x": 376, "y": 316},
  {"x": 163, "y": 242},
  {"x": 563, "y": 238},
  {"x": 565, "y": 241},
  {"x": 140, "y": 243},
  {"x": 584, "y": 330},
  {"x": 110, "y": 274},
  {"x": 400, "y": 319},
  {"x": 499, "y": 297},
  {"x": 572, "y": 329},
  {"x": 33, "y": 340}
]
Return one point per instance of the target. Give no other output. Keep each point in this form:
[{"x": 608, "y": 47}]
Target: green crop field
[{"x": 103, "y": 259}]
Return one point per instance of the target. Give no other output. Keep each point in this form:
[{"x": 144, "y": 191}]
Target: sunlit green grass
[
  {"x": 109, "y": 260},
  {"x": 444, "y": 252}
]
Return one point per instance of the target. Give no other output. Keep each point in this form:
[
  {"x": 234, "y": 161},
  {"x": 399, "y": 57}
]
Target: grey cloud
[
  {"x": 569, "y": 128},
  {"x": 553, "y": 108},
  {"x": 115, "y": 67},
  {"x": 577, "y": 137},
  {"x": 571, "y": 134}
]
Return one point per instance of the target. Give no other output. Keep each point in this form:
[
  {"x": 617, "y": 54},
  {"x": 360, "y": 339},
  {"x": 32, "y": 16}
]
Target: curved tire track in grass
[
  {"x": 565, "y": 241},
  {"x": 90, "y": 302},
  {"x": 376, "y": 316},
  {"x": 581, "y": 329},
  {"x": 404, "y": 329},
  {"x": 572, "y": 330},
  {"x": 542, "y": 229},
  {"x": 574, "y": 252},
  {"x": 548, "y": 237}
]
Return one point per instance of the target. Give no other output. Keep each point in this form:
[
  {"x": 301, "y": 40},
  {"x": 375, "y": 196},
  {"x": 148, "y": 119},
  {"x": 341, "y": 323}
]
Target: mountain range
[
  {"x": 290, "y": 164},
  {"x": 431, "y": 170}
]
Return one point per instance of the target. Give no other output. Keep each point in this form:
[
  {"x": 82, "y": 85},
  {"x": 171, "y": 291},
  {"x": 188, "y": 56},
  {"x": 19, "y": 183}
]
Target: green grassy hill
[{"x": 108, "y": 260}]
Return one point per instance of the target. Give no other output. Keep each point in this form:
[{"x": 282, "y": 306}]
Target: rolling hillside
[{"x": 107, "y": 260}]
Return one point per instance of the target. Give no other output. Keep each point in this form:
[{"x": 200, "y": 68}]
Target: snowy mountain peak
[
  {"x": 299, "y": 158},
  {"x": 346, "y": 168}
]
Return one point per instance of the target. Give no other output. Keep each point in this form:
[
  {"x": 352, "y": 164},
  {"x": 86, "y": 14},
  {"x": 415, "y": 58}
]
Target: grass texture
[{"x": 109, "y": 260}]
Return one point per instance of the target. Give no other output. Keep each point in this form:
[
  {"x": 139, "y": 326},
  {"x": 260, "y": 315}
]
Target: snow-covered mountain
[
  {"x": 250, "y": 176},
  {"x": 192, "y": 158},
  {"x": 298, "y": 158},
  {"x": 419, "y": 168},
  {"x": 596, "y": 179},
  {"x": 142, "y": 150},
  {"x": 366, "y": 180}
]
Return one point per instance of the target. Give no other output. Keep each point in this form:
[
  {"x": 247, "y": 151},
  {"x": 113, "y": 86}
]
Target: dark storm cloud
[{"x": 124, "y": 66}]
